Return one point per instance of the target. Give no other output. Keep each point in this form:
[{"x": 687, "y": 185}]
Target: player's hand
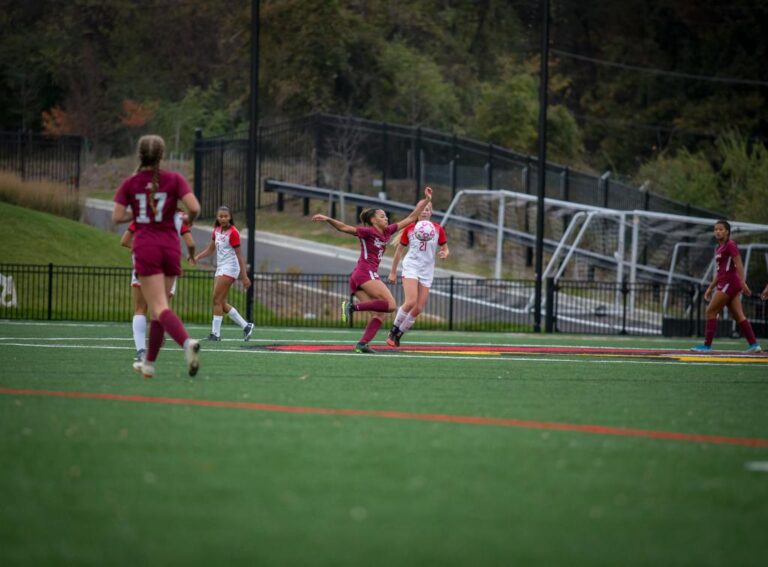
[
  {"x": 745, "y": 290},
  {"x": 245, "y": 281},
  {"x": 708, "y": 295},
  {"x": 320, "y": 218},
  {"x": 392, "y": 277},
  {"x": 443, "y": 253},
  {"x": 764, "y": 294},
  {"x": 428, "y": 192},
  {"x": 191, "y": 260}
]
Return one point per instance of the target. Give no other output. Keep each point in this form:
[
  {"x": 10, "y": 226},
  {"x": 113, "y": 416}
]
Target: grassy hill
[{"x": 33, "y": 237}]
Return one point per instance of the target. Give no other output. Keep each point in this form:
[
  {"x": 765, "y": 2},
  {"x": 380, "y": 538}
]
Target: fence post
[
  {"x": 198, "y": 165},
  {"x": 450, "y": 305},
  {"x": 22, "y": 156},
  {"x": 549, "y": 317},
  {"x": 624, "y": 293},
  {"x": 691, "y": 296},
  {"x": 318, "y": 141},
  {"x": 50, "y": 290}
]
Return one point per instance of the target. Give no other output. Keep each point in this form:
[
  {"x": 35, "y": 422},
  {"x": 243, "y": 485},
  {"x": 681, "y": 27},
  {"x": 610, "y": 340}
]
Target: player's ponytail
[
  {"x": 366, "y": 216},
  {"x": 150, "y": 153}
]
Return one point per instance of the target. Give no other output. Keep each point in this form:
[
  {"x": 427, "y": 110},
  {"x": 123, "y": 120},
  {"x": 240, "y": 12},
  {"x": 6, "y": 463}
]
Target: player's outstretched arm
[
  {"x": 420, "y": 206},
  {"x": 338, "y": 225},
  {"x": 206, "y": 252}
]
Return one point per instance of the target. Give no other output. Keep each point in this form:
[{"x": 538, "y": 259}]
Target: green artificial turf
[{"x": 113, "y": 482}]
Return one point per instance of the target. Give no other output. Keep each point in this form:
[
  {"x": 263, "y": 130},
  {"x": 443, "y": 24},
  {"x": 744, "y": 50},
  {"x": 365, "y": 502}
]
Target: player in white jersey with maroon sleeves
[
  {"x": 423, "y": 241},
  {"x": 225, "y": 241},
  {"x": 364, "y": 282}
]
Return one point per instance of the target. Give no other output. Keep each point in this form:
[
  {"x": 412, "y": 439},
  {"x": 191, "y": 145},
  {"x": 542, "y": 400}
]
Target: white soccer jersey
[
  {"x": 227, "y": 241},
  {"x": 421, "y": 255}
]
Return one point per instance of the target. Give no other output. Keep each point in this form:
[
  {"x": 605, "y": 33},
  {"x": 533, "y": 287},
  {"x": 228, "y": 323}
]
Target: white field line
[{"x": 408, "y": 356}]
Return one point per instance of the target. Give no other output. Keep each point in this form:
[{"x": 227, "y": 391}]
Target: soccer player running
[
  {"x": 153, "y": 195},
  {"x": 364, "y": 282},
  {"x": 139, "y": 323},
  {"x": 225, "y": 241},
  {"x": 724, "y": 290},
  {"x": 418, "y": 272}
]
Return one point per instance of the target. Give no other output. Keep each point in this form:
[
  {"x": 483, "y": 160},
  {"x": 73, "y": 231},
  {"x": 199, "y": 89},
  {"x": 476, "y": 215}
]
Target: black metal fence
[
  {"x": 74, "y": 293},
  {"x": 373, "y": 158},
  {"x": 34, "y": 156}
]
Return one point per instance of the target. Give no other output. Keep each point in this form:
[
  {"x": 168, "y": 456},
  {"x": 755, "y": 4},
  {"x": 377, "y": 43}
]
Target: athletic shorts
[
  {"x": 425, "y": 277},
  {"x": 136, "y": 283},
  {"x": 228, "y": 271},
  {"x": 731, "y": 288},
  {"x": 150, "y": 260},
  {"x": 359, "y": 277}
]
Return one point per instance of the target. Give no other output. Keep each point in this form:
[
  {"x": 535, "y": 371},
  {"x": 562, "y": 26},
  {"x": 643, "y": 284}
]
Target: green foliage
[
  {"x": 412, "y": 90},
  {"x": 687, "y": 177},
  {"x": 744, "y": 176}
]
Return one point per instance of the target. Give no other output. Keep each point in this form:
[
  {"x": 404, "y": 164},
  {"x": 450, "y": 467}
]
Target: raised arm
[
  {"x": 338, "y": 225},
  {"x": 414, "y": 216}
]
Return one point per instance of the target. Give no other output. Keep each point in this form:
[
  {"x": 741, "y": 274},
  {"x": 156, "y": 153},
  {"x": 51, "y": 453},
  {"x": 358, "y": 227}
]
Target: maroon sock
[
  {"x": 371, "y": 329},
  {"x": 156, "y": 336},
  {"x": 709, "y": 332},
  {"x": 380, "y": 305},
  {"x": 747, "y": 332},
  {"x": 173, "y": 326}
]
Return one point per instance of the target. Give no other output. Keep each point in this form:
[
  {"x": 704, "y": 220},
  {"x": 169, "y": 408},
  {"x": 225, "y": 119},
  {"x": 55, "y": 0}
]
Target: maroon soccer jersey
[
  {"x": 372, "y": 246},
  {"x": 153, "y": 226},
  {"x": 725, "y": 257}
]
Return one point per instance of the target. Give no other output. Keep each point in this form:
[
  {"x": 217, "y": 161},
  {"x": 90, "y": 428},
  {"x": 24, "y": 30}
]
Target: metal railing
[
  {"x": 34, "y": 156},
  {"x": 77, "y": 293},
  {"x": 396, "y": 161}
]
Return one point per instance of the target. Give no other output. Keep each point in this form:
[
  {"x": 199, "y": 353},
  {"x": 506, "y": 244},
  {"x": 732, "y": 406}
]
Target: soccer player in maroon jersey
[
  {"x": 152, "y": 195},
  {"x": 364, "y": 282},
  {"x": 724, "y": 291}
]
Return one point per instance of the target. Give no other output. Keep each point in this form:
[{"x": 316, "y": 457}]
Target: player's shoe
[
  {"x": 754, "y": 348},
  {"x": 191, "y": 349},
  {"x": 346, "y": 311},
  {"x": 701, "y": 348},
  {"x": 394, "y": 337},
  {"x": 146, "y": 369},
  {"x": 140, "y": 354},
  {"x": 363, "y": 348},
  {"x": 248, "y": 331},
  {"x": 213, "y": 337}
]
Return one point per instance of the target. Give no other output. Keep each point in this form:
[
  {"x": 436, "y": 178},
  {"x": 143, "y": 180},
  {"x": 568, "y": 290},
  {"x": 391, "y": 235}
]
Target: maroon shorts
[
  {"x": 731, "y": 288},
  {"x": 151, "y": 260},
  {"x": 359, "y": 277}
]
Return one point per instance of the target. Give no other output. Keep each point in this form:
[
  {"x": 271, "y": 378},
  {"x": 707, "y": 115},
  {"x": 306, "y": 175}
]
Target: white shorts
[
  {"x": 136, "y": 283},
  {"x": 425, "y": 277},
  {"x": 229, "y": 271}
]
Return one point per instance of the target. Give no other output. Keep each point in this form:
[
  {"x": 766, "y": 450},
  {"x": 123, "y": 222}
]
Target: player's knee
[
  {"x": 415, "y": 312},
  {"x": 391, "y": 306}
]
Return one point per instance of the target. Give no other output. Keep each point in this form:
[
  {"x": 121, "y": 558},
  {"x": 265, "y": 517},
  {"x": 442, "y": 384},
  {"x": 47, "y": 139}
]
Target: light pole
[
  {"x": 542, "y": 159},
  {"x": 253, "y": 133}
]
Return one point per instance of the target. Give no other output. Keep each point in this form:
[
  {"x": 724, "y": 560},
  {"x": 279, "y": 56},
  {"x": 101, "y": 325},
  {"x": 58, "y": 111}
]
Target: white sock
[
  {"x": 216, "y": 329},
  {"x": 140, "y": 331},
  {"x": 408, "y": 323},
  {"x": 237, "y": 318},
  {"x": 401, "y": 315}
]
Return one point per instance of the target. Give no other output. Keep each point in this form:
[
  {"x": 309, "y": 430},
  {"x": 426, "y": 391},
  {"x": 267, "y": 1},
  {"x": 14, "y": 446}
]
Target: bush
[{"x": 46, "y": 196}]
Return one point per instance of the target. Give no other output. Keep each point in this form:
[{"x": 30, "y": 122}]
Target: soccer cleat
[
  {"x": 213, "y": 337},
  {"x": 363, "y": 348},
  {"x": 247, "y": 331},
  {"x": 140, "y": 354},
  {"x": 754, "y": 348},
  {"x": 701, "y": 348},
  {"x": 346, "y": 311},
  {"x": 394, "y": 337},
  {"x": 146, "y": 369},
  {"x": 190, "y": 353}
]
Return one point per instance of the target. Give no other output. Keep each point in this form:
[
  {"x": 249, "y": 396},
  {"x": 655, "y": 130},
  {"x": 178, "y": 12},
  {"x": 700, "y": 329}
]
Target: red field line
[{"x": 461, "y": 419}]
